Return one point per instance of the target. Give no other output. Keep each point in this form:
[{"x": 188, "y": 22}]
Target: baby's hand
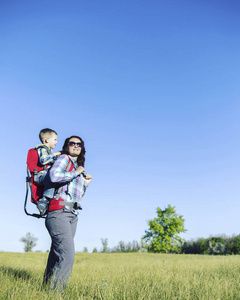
[{"x": 57, "y": 153}]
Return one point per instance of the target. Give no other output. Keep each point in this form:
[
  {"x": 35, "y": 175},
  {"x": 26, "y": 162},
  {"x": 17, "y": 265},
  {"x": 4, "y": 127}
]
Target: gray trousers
[{"x": 61, "y": 225}]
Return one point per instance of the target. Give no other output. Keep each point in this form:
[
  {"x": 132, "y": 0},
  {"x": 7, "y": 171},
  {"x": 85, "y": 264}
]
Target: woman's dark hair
[{"x": 81, "y": 157}]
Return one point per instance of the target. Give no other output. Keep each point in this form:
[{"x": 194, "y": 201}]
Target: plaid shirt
[
  {"x": 74, "y": 188},
  {"x": 44, "y": 157}
]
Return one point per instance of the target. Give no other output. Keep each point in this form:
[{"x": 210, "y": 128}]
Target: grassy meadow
[{"x": 125, "y": 276}]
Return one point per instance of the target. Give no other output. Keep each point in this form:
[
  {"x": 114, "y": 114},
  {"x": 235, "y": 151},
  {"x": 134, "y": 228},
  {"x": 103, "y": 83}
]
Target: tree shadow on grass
[{"x": 16, "y": 273}]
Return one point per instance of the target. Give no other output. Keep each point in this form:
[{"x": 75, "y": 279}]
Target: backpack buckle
[
  {"x": 35, "y": 175},
  {"x": 77, "y": 205}
]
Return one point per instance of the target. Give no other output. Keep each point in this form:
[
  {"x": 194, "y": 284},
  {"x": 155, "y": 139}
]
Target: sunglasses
[{"x": 72, "y": 144}]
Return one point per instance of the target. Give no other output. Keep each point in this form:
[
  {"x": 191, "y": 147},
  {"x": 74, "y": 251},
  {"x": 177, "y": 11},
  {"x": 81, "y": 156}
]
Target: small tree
[
  {"x": 85, "y": 249},
  {"x": 163, "y": 232},
  {"x": 29, "y": 242},
  {"x": 135, "y": 246},
  {"x": 94, "y": 250},
  {"x": 105, "y": 245},
  {"x": 144, "y": 247},
  {"x": 121, "y": 246}
]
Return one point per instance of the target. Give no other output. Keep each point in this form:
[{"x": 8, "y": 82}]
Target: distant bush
[
  {"x": 214, "y": 245},
  {"x": 200, "y": 246},
  {"x": 133, "y": 246},
  {"x": 233, "y": 245},
  {"x": 219, "y": 245}
]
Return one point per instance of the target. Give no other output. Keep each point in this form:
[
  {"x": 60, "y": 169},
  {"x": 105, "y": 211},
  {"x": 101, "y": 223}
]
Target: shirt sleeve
[
  {"x": 58, "y": 171},
  {"x": 44, "y": 157}
]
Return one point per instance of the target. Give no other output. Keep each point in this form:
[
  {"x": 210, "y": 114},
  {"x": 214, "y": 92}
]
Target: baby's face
[{"x": 52, "y": 140}]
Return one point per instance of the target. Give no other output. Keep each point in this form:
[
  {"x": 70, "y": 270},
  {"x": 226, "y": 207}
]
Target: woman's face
[{"x": 74, "y": 149}]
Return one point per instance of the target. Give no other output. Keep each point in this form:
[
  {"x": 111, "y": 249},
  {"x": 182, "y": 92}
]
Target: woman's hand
[
  {"x": 80, "y": 170},
  {"x": 88, "y": 178}
]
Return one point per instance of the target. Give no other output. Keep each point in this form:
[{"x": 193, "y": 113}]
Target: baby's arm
[{"x": 44, "y": 157}]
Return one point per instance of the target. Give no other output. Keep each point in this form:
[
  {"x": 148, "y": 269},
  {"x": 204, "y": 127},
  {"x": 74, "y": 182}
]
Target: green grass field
[{"x": 125, "y": 276}]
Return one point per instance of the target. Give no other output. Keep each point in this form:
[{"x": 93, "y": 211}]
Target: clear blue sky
[{"x": 153, "y": 89}]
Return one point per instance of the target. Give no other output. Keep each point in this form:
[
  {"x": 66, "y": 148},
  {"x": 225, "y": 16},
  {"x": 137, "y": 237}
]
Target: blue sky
[{"x": 152, "y": 87}]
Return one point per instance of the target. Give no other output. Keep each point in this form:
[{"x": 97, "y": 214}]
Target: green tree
[
  {"x": 29, "y": 242},
  {"x": 163, "y": 232}
]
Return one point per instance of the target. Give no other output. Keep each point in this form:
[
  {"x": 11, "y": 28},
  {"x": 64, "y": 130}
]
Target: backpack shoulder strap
[
  {"x": 45, "y": 147},
  {"x": 69, "y": 165}
]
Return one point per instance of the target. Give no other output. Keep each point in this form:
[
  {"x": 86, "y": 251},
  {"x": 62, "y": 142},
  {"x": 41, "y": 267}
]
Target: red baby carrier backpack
[{"x": 33, "y": 165}]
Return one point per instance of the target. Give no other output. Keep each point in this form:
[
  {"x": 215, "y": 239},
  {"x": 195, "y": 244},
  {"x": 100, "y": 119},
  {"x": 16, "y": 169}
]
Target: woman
[{"x": 61, "y": 220}]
